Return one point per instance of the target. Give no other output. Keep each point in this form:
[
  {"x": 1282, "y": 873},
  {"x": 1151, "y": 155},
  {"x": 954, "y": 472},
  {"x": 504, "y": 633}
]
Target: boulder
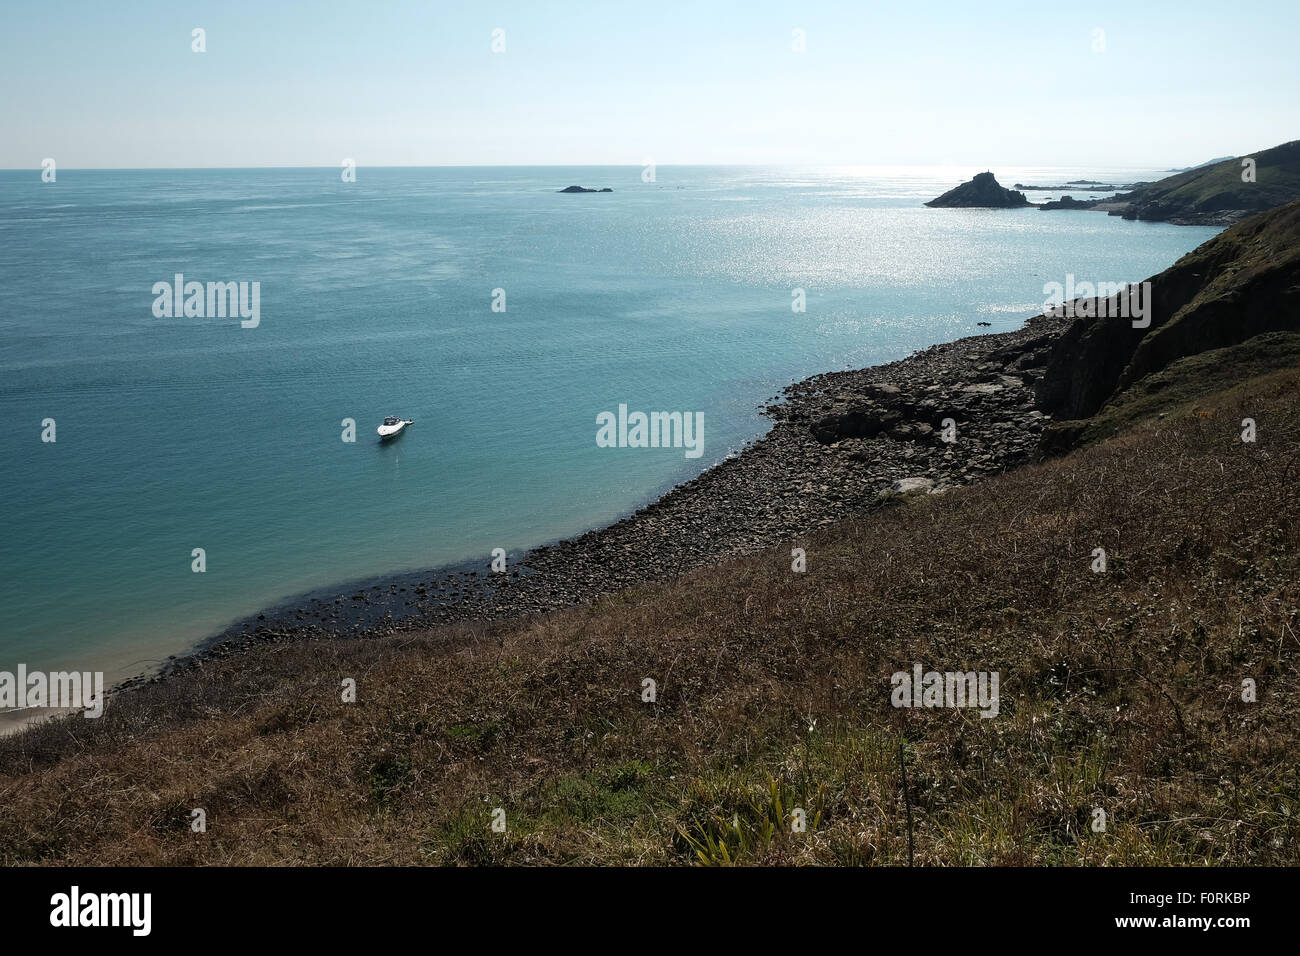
[
  {"x": 907, "y": 485},
  {"x": 862, "y": 421}
]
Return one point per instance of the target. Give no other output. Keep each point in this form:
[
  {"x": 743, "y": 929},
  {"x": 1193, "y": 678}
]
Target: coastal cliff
[
  {"x": 1218, "y": 193},
  {"x": 1242, "y": 283}
]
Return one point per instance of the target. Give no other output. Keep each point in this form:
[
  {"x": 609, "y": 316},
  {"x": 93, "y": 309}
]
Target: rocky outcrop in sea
[{"x": 982, "y": 192}]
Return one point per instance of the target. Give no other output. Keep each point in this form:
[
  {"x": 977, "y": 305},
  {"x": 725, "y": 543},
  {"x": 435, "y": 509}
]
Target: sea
[{"x": 165, "y": 472}]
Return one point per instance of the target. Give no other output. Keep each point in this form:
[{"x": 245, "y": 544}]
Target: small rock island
[
  {"x": 584, "y": 189},
  {"x": 982, "y": 192},
  {"x": 1069, "y": 202}
]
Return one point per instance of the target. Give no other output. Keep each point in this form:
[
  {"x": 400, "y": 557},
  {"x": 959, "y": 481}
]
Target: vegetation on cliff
[{"x": 1216, "y": 194}]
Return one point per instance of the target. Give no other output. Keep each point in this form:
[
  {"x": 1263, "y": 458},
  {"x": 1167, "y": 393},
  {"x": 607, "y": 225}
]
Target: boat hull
[{"x": 388, "y": 433}]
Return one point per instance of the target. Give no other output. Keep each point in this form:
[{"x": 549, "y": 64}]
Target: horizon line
[{"x": 799, "y": 165}]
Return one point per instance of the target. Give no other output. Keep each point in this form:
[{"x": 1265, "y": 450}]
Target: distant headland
[{"x": 1218, "y": 193}]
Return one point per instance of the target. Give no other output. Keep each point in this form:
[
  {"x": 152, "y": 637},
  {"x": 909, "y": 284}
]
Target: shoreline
[{"x": 840, "y": 442}]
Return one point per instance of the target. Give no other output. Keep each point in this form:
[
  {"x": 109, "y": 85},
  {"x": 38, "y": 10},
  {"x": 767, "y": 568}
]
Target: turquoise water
[{"x": 183, "y": 433}]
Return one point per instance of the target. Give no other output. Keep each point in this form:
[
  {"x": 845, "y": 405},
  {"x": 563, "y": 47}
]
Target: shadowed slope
[{"x": 1241, "y": 283}]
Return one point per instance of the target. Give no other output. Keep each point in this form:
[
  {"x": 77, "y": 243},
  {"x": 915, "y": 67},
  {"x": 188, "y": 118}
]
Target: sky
[{"x": 926, "y": 82}]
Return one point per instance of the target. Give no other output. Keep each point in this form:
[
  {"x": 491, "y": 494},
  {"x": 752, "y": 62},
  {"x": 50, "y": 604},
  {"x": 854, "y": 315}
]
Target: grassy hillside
[
  {"x": 1120, "y": 691},
  {"x": 1215, "y": 194}
]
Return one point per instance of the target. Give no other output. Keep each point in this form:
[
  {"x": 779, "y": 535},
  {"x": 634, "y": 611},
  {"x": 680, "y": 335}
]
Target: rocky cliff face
[
  {"x": 1242, "y": 283},
  {"x": 982, "y": 192}
]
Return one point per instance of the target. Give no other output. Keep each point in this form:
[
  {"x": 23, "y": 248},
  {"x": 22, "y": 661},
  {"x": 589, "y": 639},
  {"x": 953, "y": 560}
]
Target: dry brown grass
[{"x": 1119, "y": 690}]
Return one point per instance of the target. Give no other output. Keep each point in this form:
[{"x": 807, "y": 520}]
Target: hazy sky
[{"x": 107, "y": 84}]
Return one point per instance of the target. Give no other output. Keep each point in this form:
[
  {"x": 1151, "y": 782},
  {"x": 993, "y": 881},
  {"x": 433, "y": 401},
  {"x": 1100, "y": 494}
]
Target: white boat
[{"x": 392, "y": 427}]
